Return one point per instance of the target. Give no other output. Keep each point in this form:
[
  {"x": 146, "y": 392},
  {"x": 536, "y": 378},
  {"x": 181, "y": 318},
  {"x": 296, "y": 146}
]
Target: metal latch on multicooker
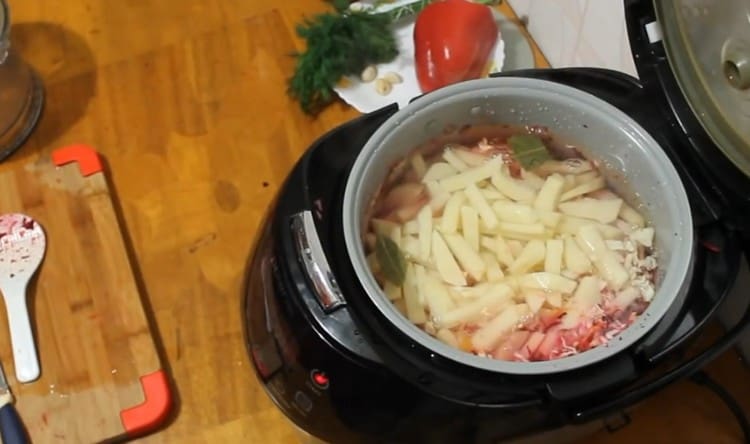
[{"x": 314, "y": 261}]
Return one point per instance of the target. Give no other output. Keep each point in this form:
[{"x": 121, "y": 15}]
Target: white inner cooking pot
[{"x": 637, "y": 168}]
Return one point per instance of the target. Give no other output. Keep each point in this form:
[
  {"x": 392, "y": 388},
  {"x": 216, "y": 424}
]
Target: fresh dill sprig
[{"x": 338, "y": 45}]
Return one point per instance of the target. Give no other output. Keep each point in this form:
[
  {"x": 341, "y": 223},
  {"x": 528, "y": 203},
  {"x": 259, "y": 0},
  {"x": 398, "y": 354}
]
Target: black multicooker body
[{"x": 342, "y": 373}]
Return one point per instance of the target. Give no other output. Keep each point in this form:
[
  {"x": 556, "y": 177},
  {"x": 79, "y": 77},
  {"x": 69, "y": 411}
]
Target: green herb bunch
[
  {"x": 343, "y": 43},
  {"x": 338, "y": 45}
]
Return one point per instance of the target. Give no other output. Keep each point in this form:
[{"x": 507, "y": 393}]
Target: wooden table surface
[{"x": 185, "y": 99}]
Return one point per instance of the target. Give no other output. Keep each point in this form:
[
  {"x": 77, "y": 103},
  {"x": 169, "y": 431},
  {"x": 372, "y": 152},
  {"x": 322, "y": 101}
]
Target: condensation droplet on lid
[{"x": 475, "y": 110}]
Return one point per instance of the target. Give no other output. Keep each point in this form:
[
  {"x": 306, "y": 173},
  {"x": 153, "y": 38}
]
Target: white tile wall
[{"x": 579, "y": 32}]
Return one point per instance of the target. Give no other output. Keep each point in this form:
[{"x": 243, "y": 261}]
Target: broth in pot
[{"x": 504, "y": 243}]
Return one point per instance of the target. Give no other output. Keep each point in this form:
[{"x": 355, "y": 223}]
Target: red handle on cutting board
[
  {"x": 154, "y": 409},
  {"x": 87, "y": 158}
]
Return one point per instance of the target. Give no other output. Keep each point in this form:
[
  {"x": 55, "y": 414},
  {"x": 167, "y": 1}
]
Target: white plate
[{"x": 364, "y": 98}]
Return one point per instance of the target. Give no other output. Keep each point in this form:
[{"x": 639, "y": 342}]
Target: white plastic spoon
[{"x": 22, "y": 247}]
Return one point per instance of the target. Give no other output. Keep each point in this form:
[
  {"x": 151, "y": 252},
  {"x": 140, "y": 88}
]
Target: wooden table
[{"x": 185, "y": 99}]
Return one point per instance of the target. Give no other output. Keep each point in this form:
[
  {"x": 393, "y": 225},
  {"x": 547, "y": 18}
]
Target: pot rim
[{"x": 674, "y": 276}]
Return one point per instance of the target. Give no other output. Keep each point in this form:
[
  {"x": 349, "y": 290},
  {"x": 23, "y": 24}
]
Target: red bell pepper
[{"x": 453, "y": 40}]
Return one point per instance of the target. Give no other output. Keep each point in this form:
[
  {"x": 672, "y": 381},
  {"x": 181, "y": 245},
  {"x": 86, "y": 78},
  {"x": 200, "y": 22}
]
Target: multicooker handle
[{"x": 314, "y": 263}]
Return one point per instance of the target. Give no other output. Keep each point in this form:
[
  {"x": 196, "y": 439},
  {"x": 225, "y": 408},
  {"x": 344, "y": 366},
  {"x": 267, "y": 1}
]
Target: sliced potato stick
[
  {"x": 587, "y": 294},
  {"x": 445, "y": 263},
  {"x": 439, "y": 170},
  {"x": 418, "y": 165},
  {"x": 494, "y": 273},
  {"x": 383, "y": 227},
  {"x": 472, "y": 176},
  {"x": 421, "y": 274},
  {"x": 463, "y": 294},
  {"x": 470, "y": 226},
  {"x": 487, "y": 243},
  {"x": 414, "y": 310},
  {"x": 536, "y": 228},
  {"x": 410, "y": 247},
  {"x": 531, "y": 256},
  {"x": 469, "y": 259},
  {"x": 584, "y": 188},
  {"x": 438, "y": 299},
  {"x": 491, "y": 194},
  {"x": 424, "y": 220},
  {"x": 586, "y": 177},
  {"x": 486, "y": 338},
  {"x": 411, "y": 227},
  {"x": 535, "y": 299},
  {"x": 532, "y": 180},
  {"x": 644, "y": 236},
  {"x": 396, "y": 235},
  {"x": 477, "y": 200},
  {"x": 469, "y": 158},
  {"x": 447, "y": 337},
  {"x": 514, "y": 212},
  {"x": 512, "y": 188},
  {"x": 629, "y": 214},
  {"x": 400, "y": 305},
  {"x": 392, "y": 291},
  {"x": 550, "y": 219},
  {"x": 548, "y": 281},
  {"x": 554, "y": 256},
  {"x": 575, "y": 259},
  {"x": 451, "y": 213},
  {"x": 571, "y": 225},
  {"x": 554, "y": 299},
  {"x": 438, "y": 196},
  {"x": 604, "y": 211},
  {"x": 455, "y": 161},
  {"x": 493, "y": 300},
  {"x": 569, "y": 182},
  {"x": 605, "y": 260},
  {"x": 549, "y": 196},
  {"x": 515, "y": 247}
]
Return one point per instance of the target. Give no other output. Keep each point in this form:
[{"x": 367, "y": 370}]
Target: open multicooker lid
[{"x": 697, "y": 53}]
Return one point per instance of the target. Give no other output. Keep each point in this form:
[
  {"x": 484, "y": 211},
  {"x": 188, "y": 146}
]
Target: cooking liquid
[
  {"x": 21, "y": 93},
  {"x": 556, "y": 330}
]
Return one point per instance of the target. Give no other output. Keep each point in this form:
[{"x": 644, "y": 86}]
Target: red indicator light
[{"x": 320, "y": 379}]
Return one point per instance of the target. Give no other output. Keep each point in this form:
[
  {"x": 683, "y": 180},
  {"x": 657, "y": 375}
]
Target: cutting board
[{"x": 101, "y": 376}]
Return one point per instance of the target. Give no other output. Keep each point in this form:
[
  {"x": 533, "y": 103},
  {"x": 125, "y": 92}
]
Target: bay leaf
[
  {"x": 528, "y": 150},
  {"x": 391, "y": 259}
]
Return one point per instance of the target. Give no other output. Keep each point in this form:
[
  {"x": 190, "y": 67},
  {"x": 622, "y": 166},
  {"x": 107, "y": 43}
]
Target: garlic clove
[
  {"x": 383, "y": 87},
  {"x": 369, "y": 74},
  {"x": 393, "y": 78}
]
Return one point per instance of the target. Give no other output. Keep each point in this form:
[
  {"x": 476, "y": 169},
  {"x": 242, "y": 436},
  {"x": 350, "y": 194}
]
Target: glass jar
[{"x": 21, "y": 92}]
